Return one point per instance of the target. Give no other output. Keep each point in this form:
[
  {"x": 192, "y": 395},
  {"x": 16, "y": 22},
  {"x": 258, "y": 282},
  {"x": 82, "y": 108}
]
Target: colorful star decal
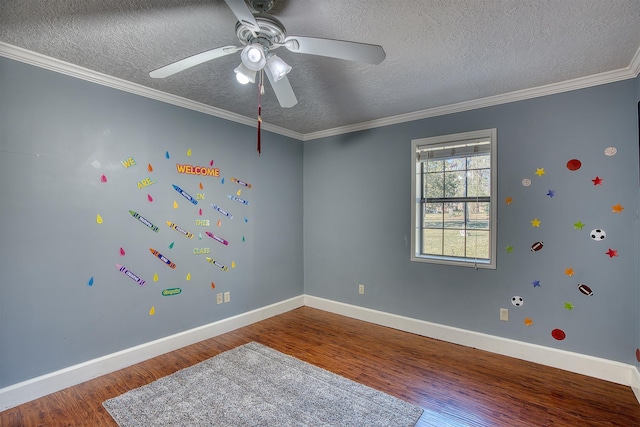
[
  {"x": 528, "y": 321},
  {"x": 536, "y": 283},
  {"x": 597, "y": 181},
  {"x": 569, "y": 306},
  {"x": 617, "y": 208},
  {"x": 535, "y": 222},
  {"x": 540, "y": 171},
  {"x": 508, "y": 200},
  {"x": 509, "y": 248},
  {"x": 551, "y": 193},
  {"x": 612, "y": 253},
  {"x": 578, "y": 225},
  {"x": 569, "y": 271}
]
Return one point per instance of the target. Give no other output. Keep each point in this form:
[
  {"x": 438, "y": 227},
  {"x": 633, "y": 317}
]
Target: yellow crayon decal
[
  {"x": 152, "y": 311},
  {"x": 217, "y": 264},
  {"x": 180, "y": 229},
  {"x": 98, "y": 219}
]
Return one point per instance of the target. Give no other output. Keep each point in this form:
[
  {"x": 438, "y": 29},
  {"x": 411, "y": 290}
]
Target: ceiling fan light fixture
[
  {"x": 244, "y": 75},
  {"x": 253, "y": 57},
  {"x": 278, "y": 67}
]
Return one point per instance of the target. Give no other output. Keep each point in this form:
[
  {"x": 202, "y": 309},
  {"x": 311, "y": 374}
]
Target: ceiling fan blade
[
  {"x": 192, "y": 61},
  {"x": 243, "y": 13},
  {"x": 283, "y": 90},
  {"x": 352, "y": 51}
]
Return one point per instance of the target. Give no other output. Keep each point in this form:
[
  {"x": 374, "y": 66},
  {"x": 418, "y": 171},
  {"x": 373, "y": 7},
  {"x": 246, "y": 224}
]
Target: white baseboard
[
  {"x": 605, "y": 369},
  {"x": 35, "y": 388}
]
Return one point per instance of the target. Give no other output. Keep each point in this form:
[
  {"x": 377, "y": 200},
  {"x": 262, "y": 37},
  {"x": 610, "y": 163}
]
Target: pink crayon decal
[
  {"x": 217, "y": 238},
  {"x": 129, "y": 273}
]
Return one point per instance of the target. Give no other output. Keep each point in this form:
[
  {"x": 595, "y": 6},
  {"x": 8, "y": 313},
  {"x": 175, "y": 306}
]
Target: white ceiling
[{"x": 439, "y": 52}]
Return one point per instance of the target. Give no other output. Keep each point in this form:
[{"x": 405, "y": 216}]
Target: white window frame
[{"x": 416, "y": 202}]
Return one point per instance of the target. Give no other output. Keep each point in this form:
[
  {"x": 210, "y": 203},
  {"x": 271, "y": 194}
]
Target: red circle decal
[
  {"x": 574, "y": 164},
  {"x": 558, "y": 334}
]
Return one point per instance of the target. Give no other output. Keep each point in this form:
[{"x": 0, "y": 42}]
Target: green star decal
[
  {"x": 509, "y": 248},
  {"x": 578, "y": 225},
  {"x": 569, "y": 306}
]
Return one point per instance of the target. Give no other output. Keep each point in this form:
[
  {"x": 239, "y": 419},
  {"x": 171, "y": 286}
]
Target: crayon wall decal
[
  {"x": 185, "y": 194},
  {"x": 180, "y": 230},
  {"x": 222, "y": 211},
  {"x": 163, "y": 258},
  {"x": 132, "y": 275},
  {"x": 143, "y": 220},
  {"x": 171, "y": 291},
  {"x": 244, "y": 184},
  {"x": 217, "y": 238},
  {"x": 217, "y": 264},
  {"x": 238, "y": 199}
]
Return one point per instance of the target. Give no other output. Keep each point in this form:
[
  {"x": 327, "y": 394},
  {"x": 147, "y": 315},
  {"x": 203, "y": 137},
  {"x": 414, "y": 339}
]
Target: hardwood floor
[{"x": 456, "y": 385}]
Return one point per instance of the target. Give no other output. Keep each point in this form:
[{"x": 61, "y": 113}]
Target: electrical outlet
[
  {"x": 218, "y": 298},
  {"x": 361, "y": 289},
  {"x": 504, "y": 314},
  {"x": 227, "y": 296}
]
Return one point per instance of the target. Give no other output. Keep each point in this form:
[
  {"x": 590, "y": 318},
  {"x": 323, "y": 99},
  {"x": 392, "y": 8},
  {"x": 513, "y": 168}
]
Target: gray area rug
[{"x": 254, "y": 385}]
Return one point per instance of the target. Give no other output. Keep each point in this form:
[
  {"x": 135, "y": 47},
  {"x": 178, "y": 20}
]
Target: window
[{"x": 454, "y": 189}]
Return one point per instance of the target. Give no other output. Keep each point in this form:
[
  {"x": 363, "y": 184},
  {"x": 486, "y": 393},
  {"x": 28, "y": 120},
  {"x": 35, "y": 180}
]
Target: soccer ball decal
[
  {"x": 598, "y": 234},
  {"x": 517, "y": 301}
]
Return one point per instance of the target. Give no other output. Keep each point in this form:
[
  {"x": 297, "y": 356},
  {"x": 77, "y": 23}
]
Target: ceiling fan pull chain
[{"x": 260, "y": 92}]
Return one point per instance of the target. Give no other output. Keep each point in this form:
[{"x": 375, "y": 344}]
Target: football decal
[
  {"x": 585, "y": 289},
  {"x": 537, "y": 246},
  {"x": 598, "y": 234},
  {"x": 517, "y": 301}
]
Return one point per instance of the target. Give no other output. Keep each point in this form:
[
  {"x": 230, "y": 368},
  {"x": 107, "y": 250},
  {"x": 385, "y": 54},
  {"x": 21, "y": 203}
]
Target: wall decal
[
  {"x": 122, "y": 252},
  {"x": 180, "y": 229},
  {"x": 610, "y": 151},
  {"x": 213, "y": 285},
  {"x": 149, "y": 198},
  {"x": 518, "y": 301},
  {"x": 558, "y": 334},
  {"x": 90, "y": 282},
  {"x": 219, "y": 223},
  {"x": 171, "y": 291},
  {"x": 585, "y": 289},
  {"x": 569, "y": 272},
  {"x": 188, "y": 276},
  {"x": 617, "y": 208},
  {"x": 163, "y": 258},
  {"x": 152, "y": 311},
  {"x": 99, "y": 219},
  {"x": 171, "y": 245},
  {"x": 638, "y": 354},
  {"x": 528, "y": 321},
  {"x": 217, "y": 238},
  {"x": 612, "y": 253},
  {"x": 200, "y": 251},
  {"x": 129, "y": 273},
  {"x": 574, "y": 164},
  {"x": 540, "y": 171},
  {"x": 143, "y": 220},
  {"x": 197, "y": 170},
  {"x": 598, "y": 234},
  {"x": 551, "y": 193},
  {"x": 127, "y": 163},
  {"x": 238, "y": 199},
  {"x": 199, "y": 236},
  {"x": 155, "y": 277},
  {"x": 535, "y": 222},
  {"x": 537, "y": 246},
  {"x": 103, "y": 178},
  {"x": 223, "y": 212},
  {"x": 597, "y": 180},
  {"x": 185, "y": 194},
  {"x": 526, "y": 182},
  {"x": 233, "y": 264},
  {"x": 569, "y": 305},
  {"x": 211, "y": 163},
  {"x": 201, "y": 186},
  {"x": 222, "y": 181},
  {"x": 200, "y": 212},
  {"x": 536, "y": 283},
  {"x": 166, "y": 154},
  {"x": 175, "y": 205},
  {"x": 149, "y": 167},
  {"x": 217, "y": 264},
  {"x": 246, "y": 219},
  {"x": 239, "y": 193},
  {"x": 508, "y": 200},
  {"x": 202, "y": 222},
  {"x": 145, "y": 183},
  {"x": 243, "y": 238},
  {"x": 509, "y": 249},
  {"x": 237, "y": 181},
  {"x": 578, "y": 225},
  {"x": 189, "y": 152}
]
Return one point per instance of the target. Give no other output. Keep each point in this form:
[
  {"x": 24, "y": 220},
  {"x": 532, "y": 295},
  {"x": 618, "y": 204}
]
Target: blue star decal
[
  {"x": 536, "y": 283},
  {"x": 551, "y": 193}
]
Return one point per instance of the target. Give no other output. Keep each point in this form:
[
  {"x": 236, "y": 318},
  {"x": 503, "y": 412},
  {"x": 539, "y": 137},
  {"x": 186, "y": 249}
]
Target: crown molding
[
  {"x": 579, "y": 83},
  {"x": 43, "y": 61},
  {"x": 62, "y": 67}
]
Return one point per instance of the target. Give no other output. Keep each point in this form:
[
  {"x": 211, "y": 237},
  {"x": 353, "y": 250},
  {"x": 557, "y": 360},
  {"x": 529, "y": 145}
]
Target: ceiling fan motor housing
[{"x": 271, "y": 31}]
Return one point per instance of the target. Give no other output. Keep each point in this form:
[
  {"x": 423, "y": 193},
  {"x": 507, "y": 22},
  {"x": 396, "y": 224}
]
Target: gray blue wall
[
  {"x": 58, "y": 137},
  {"x": 357, "y": 223}
]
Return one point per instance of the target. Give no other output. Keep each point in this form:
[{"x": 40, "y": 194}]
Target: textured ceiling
[{"x": 439, "y": 52}]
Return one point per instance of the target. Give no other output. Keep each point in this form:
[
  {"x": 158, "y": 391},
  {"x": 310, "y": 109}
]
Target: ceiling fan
[{"x": 260, "y": 34}]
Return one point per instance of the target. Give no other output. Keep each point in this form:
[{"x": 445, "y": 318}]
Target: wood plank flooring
[{"x": 456, "y": 386}]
